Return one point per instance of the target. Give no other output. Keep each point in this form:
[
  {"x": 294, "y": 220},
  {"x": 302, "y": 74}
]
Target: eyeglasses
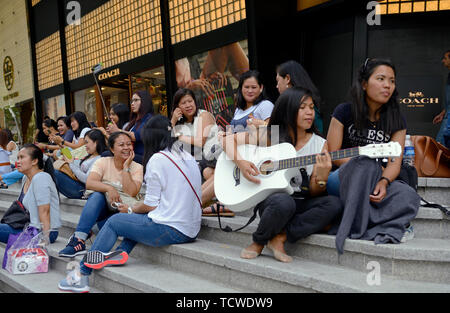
[{"x": 135, "y": 100}]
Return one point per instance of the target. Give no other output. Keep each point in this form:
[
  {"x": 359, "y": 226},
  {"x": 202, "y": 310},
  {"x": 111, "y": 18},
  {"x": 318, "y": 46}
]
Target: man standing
[{"x": 444, "y": 133}]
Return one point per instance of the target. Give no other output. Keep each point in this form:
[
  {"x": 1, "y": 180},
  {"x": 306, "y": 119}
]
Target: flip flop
[{"x": 223, "y": 211}]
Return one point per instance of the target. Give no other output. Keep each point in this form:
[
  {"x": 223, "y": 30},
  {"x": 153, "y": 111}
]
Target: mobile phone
[{"x": 66, "y": 152}]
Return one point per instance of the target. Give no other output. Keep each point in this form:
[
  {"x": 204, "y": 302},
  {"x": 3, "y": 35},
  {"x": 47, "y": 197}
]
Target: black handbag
[{"x": 17, "y": 216}]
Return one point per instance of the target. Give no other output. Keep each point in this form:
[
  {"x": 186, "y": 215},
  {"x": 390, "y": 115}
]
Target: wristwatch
[
  {"x": 321, "y": 183},
  {"x": 130, "y": 210}
]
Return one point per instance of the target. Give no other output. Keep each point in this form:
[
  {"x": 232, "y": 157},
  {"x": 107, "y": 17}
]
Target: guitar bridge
[{"x": 237, "y": 176}]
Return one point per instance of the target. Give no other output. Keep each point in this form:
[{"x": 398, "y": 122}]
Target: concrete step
[
  {"x": 136, "y": 275},
  {"x": 194, "y": 266},
  {"x": 421, "y": 264},
  {"x": 435, "y": 189},
  {"x": 422, "y": 259},
  {"x": 140, "y": 275},
  {"x": 32, "y": 283},
  {"x": 222, "y": 262}
]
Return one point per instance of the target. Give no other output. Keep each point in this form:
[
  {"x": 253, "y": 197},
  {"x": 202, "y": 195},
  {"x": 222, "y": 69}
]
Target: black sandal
[
  {"x": 222, "y": 210},
  {"x": 3, "y": 185}
]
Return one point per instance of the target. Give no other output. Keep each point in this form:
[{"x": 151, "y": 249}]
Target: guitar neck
[{"x": 311, "y": 159}]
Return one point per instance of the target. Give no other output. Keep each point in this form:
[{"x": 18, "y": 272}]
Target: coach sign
[
  {"x": 109, "y": 74},
  {"x": 420, "y": 101}
]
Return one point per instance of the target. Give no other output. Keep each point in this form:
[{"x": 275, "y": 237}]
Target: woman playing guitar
[{"x": 285, "y": 217}]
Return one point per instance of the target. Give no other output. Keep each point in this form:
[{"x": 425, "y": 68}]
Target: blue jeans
[
  {"x": 12, "y": 177},
  {"x": 95, "y": 210},
  {"x": 134, "y": 228},
  {"x": 333, "y": 183},
  {"x": 67, "y": 186},
  {"x": 6, "y": 230}
]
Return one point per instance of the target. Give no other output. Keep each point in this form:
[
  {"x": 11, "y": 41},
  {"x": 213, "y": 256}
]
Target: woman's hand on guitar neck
[
  {"x": 249, "y": 170},
  {"x": 323, "y": 165}
]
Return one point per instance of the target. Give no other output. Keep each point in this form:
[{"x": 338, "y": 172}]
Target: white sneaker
[
  {"x": 75, "y": 282},
  {"x": 408, "y": 235}
]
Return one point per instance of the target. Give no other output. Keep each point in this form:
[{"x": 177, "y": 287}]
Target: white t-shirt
[
  {"x": 168, "y": 190},
  {"x": 82, "y": 134},
  {"x": 313, "y": 146},
  {"x": 190, "y": 129},
  {"x": 261, "y": 111}
]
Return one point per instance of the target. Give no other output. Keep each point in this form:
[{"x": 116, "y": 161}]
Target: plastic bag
[{"x": 27, "y": 254}]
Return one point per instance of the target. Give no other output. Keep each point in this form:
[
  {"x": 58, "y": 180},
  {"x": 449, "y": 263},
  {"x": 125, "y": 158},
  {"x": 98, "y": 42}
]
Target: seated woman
[
  {"x": 7, "y": 179},
  {"x": 64, "y": 128},
  {"x": 283, "y": 216},
  {"x": 141, "y": 111},
  {"x": 80, "y": 126},
  {"x": 364, "y": 185},
  {"x": 119, "y": 115},
  {"x": 38, "y": 195},
  {"x": 119, "y": 169},
  {"x": 252, "y": 107},
  {"x": 74, "y": 189},
  {"x": 197, "y": 129},
  {"x": 50, "y": 128},
  {"x": 170, "y": 213}
]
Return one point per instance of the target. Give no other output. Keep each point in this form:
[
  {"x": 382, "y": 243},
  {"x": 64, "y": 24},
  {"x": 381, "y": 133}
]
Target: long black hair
[
  {"x": 123, "y": 112},
  {"x": 145, "y": 107},
  {"x": 36, "y": 154},
  {"x": 156, "y": 136},
  {"x": 390, "y": 116},
  {"x": 180, "y": 93},
  {"x": 51, "y": 123},
  {"x": 299, "y": 77},
  {"x": 96, "y": 136},
  {"x": 240, "y": 101},
  {"x": 285, "y": 112},
  {"x": 83, "y": 123}
]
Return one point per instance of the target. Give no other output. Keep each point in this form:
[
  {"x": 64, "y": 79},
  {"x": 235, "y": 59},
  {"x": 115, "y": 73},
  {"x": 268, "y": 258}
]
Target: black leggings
[{"x": 299, "y": 217}]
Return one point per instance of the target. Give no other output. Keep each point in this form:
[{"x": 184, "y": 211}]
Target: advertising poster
[{"x": 214, "y": 78}]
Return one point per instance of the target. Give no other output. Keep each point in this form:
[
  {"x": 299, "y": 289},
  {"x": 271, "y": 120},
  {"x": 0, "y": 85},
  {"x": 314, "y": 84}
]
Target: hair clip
[{"x": 365, "y": 64}]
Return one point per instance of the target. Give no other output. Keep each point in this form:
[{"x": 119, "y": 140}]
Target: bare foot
[
  {"x": 276, "y": 244},
  {"x": 252, "y": 251}
]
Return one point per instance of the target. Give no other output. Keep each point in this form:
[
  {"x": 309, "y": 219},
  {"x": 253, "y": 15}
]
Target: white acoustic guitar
[{"x": 277, "y": 165}]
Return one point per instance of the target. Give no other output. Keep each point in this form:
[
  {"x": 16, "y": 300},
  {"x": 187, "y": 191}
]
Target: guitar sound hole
[{"x": 266, "y": 168}]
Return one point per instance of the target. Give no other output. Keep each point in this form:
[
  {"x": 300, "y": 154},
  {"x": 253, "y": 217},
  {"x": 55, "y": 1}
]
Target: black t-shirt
[{"x": 352, "y": 136}]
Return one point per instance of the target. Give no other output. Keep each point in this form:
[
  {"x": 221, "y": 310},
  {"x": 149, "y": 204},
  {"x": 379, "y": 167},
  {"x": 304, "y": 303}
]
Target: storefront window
[
  {"x": 214, "y": 78},
  {"x": 154, "y": 82},
  {"x": 85, "y": 102},
  {"x": 54, "y": 107}
]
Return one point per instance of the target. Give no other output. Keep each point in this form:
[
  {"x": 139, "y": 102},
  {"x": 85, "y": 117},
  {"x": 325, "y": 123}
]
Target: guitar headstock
[{"x": 391, "y": 149}]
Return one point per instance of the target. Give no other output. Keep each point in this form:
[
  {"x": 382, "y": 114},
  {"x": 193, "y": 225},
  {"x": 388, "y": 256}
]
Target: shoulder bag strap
[{"x": 199, "y": 201}]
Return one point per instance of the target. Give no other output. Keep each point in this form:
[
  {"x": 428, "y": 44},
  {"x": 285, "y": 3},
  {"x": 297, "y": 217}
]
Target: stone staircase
[{"x": 212, "y": 264}]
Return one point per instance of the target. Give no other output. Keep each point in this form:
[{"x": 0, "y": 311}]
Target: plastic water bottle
[{"x": 409, "y": 154}]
